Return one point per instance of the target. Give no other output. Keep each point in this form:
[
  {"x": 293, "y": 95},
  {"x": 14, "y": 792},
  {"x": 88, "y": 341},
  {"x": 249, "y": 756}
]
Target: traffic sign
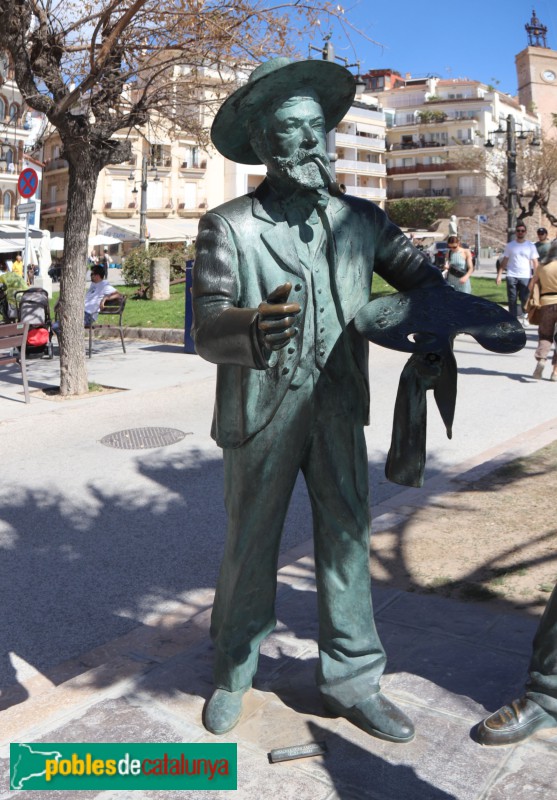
[
  {"x": 28, "y": 182},
  {"x": 26, "y": 208}
]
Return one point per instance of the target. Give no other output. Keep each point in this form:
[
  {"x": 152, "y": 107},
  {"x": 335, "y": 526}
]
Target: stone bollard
[{"x": 159, "y": 288}]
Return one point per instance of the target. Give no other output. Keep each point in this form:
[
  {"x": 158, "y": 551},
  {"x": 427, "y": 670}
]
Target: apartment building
[
  {"x": 360, "y": 147},
  {"x": 432, "y": 123},
  {"x": 18, "y": 127}
]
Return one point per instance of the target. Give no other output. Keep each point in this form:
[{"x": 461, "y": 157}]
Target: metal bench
[
  {"x": 13, "y": 336},
  {"x": 112, "y": 308}
]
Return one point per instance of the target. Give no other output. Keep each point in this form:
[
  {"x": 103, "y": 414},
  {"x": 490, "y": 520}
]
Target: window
[
  {"x": 52, "y": 193},
  {"x": 154, "y": 194},
  {"x": 7, "y": 205},
  {"x": 14, "y": 111},
  {"x": 2, "y": 109},
  {"x": 118, "y": 193},
  {"x": 190, "y": 195},
  {"x": 466, "y": 185}
]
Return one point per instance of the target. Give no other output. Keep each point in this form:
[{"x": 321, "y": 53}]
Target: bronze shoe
[
  {"x": 377, "y": 716},
  {"x": 514, "y": 723},
  {"x": 223, "y": 710}
]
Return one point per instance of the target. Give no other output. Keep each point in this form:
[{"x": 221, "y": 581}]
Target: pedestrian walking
[
  {"x": 520, "y": 259},
  {"x": 546, "y": 279}
]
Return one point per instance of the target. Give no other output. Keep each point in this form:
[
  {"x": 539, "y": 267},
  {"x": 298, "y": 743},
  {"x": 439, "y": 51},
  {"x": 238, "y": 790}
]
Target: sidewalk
[{"x": 449, "y": 663}]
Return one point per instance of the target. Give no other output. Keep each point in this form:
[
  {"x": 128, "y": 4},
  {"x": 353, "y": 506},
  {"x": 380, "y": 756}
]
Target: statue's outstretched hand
[{"x": 275, "y": 324}]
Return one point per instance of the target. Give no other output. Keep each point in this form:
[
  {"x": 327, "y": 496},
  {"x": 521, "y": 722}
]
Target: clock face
[{"x": 548, "y": 75}]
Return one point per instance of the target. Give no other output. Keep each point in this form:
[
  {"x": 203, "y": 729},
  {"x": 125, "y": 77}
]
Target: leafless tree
[
  {"x": 536, "y": 174},
  {"x": 98, "y": 67}
]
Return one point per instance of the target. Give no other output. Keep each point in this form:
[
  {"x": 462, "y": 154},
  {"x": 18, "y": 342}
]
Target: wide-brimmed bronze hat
[{"x": 334, "y": 85}]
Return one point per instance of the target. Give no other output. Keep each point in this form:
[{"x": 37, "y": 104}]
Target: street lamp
[
  {"x": 143, "y": 201},
  {"x": 511, "y": 166},
  {"x": 328, "y": 54}
]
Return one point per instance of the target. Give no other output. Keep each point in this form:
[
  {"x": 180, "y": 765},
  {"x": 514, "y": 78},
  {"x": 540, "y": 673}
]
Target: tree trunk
[{"x": 83, "y": 177}]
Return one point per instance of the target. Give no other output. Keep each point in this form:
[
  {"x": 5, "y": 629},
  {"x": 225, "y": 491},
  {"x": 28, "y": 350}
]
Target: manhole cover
[{"x": 143, "y": 438}]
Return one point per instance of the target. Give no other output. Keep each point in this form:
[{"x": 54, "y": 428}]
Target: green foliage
[
  {"x": 137, "y": 264},
  {"x": 419, "y": 212},
  {"x": 431, "y": 116}
]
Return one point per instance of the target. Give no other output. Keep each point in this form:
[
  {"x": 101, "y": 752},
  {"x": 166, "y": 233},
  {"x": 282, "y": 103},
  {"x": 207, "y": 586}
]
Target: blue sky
[{"x": 477, "y": 39}]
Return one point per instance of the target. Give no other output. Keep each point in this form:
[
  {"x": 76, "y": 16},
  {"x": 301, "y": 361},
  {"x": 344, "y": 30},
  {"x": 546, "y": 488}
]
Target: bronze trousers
[{"x": 313, "y": 433}]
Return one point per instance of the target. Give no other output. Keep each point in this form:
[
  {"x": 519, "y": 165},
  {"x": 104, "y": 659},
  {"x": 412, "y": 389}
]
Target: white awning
[
  {"x": 158, "y": 230},
  {"x": 10, "y": 245},
  {"x": 15, "y": 230},
  {"x": 374, "y": 130}
]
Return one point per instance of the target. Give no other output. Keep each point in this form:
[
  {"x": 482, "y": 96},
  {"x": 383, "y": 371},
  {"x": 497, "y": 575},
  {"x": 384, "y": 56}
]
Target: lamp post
[
  {"x": 143, "y": 204},
  {"x": 328, "y": 54},
  {"x": 143, "y": 200},
  {"x": 511, "y": 168},
  {"x": 511, "y": 177}
]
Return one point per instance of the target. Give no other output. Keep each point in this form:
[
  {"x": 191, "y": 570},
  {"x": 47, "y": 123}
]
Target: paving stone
[
  {"x": 442, "y": 763},
  {"x": 528, "y": 774},
  {"x": 457, "y": 676},
  {"x": 465, "y": 620},
  {"x": 513, "y": 632}
]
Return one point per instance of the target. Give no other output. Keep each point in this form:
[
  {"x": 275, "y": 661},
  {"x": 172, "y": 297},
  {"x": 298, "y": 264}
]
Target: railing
[
  {"x": 12, "y": 168},
  {"x": 368, "y": 192},
  {"x": 57, "y": 207},
  {"x": 399, "y": 194},
  {"x": 450, "y": 119},
  {"x": 343, "y": 165},
  {"x": 55, "y": 163},
  {"x": 410, "y": 170},
  {"x": 358, "y": 140},
  {"x": 197, "y": 164},
  {"x": 420, "y": 145}
]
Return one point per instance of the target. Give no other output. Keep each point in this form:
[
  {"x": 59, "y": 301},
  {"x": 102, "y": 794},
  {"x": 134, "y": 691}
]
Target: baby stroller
[{"x": 33, "y": 307}]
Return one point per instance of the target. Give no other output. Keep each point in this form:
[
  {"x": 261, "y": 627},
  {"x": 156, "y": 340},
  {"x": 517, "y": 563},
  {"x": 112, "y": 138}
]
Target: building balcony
[
  {"x": 194, "y": 168},
  {"x": 444, "y": 123},
  {"x": 413, "y": 169},
  {"x": 361, "y": 167},
  {"x": 192, "y": 211},
  {"x": 54, "y": 208},
  {"x": 54, "y": 164},
  {"x": 124, "y": 212},
  {"x": 162, "y": 212},
  {"x": 11, "y": 168},
  {"x": 364, "y": 142},
  {"x": 428, "y": 144},
  {"x": 367, "y": 192},
  {"x": 399, "y": 194}
]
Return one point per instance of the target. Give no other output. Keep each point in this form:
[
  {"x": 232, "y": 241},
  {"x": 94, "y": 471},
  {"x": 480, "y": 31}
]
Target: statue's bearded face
[{"x": 288, "y": 139}]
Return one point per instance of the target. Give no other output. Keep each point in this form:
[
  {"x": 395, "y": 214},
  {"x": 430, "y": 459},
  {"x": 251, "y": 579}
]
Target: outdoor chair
[
  {"x": 13, "y": 337},
  {"x": 112, "y": 308}
]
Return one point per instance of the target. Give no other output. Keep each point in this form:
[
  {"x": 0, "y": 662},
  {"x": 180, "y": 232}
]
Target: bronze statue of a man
[{"x": 279, "y": 277}]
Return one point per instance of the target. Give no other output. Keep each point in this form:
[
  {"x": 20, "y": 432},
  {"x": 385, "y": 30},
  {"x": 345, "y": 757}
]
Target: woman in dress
[
  {"x": 459, "y": 265},
  {"x": 546, "y": 277}
]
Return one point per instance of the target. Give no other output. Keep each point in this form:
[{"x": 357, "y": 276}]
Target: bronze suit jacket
[{"x": 245, "y": 249}]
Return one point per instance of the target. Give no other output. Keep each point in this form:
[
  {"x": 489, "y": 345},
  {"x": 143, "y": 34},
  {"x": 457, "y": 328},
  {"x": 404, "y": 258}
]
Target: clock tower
[{"x": 536, "y": 69}]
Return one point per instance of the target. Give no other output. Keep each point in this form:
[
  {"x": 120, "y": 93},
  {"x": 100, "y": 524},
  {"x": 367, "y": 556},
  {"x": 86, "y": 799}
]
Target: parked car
[{"x": 437, "y": 253}]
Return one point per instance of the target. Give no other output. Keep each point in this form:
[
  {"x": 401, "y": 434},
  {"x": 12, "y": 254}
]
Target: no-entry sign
[{"x": 28, "y": 182}]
